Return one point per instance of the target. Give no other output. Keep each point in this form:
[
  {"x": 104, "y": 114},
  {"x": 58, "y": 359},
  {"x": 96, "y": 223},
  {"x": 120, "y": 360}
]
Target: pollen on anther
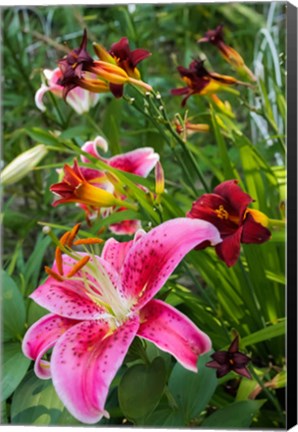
[{"x": 80, "y": 264}]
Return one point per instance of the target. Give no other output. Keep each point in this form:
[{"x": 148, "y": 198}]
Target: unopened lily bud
[
  {"x": 23, "y": 164},
  {"x": 159, "y": 179}
]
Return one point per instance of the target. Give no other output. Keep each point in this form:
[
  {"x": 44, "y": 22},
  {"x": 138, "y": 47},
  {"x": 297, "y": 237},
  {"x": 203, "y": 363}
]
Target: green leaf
[
  {"x": 141, "y": 388},
  {"x": 14, "y": 313},
  {"x": 15, "y": 366},
  {"x": 35, "y": 402},
  {"x": 269, "y": 332},
  {"x": 192, "y": 391},
  {"x": 33, "y": 264},
  {"x": 42, "y": 136},
  {"x": 237, "y": 415}
]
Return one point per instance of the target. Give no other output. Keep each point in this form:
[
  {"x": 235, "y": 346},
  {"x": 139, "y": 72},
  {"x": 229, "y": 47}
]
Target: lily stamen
[{"x": 78, "y": 266}]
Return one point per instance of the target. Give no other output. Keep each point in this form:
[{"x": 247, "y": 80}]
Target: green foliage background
[{"x": 247, "y": 298}]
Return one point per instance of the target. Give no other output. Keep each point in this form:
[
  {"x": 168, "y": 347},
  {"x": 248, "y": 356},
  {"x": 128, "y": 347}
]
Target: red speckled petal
[
  {"x": 173, "y": 332},
  {"x": 84, "y": 362},
  {"x": 69, "y": 298},
  {"x": 154, "y": 257},
  {"x": 41, "y": 337},
  {"x": 139, "y": 162},
  {"x": 115, "y": 252}
]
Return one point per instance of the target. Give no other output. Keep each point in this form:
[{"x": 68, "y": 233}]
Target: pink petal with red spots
[
  {"x": 154, "y": 257},
  {"x": 115, "y": 252},
  {"x": 67, "y": 299},
  {"x": 41, "y": 337},
  {"x": 84, "y": 362},
  {"x": 139, "y": 162},
  {"x": 173, "y": 332}
]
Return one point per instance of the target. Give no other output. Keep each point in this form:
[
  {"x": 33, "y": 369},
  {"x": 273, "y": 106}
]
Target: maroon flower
[
  {"x": 200, "y": 81},
  {"x": 73, "y": 65},
  {"x": 215, "y": 37},
  {"x": 231, "y": 360},
  {"x": 226, "y": 208}
]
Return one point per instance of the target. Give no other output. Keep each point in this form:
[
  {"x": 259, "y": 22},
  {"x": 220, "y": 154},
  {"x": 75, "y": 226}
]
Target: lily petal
[
  {"x": 242, "y": 371},
  {"x": 126, "y": 227},
  {"x": 229, "y": 249},
  {"x": 42, "y": 336},
  {"x": 139, "y": 162},
  {"x": 234, "y": 195},
  {"x": 115, "y": 252},
  {"x": 154, "y": 257},
  {"x": 85, "y": 361},
  {"x": 254, "y": 232},
  {"x": 68, "y": 299},
  {"x": 173, "y": 332}
]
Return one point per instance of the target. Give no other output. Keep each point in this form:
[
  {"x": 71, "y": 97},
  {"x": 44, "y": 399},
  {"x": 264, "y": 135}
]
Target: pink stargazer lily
[
  {"x": 99, "y": 304},
  {"x": 79, "y": 99},
  {"x": 139, "y": 162}
]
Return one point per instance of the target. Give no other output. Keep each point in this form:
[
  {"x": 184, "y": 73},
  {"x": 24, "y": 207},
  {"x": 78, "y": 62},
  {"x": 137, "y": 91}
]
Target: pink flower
[
  {"x": 139, "y": 162},
  {"x": 99, "y": 304},
  {"x": 79, "y": 99}
]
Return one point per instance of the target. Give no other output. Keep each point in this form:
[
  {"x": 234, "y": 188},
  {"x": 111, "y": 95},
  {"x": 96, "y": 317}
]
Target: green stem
[{"x": 268, "y": 393}]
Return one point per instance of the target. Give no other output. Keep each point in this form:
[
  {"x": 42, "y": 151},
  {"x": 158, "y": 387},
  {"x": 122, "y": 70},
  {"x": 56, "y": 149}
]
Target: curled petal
[
  {"x": 154, "y": 257},
  {"x": 91, "y": 148},
  {"x": 139, "y": 162},
  {"x": 85, "y": 361},
  {"x": 39, "y": 97},
  {"x": 173, "y": 332},
  {"x": 41, "y": 337}
]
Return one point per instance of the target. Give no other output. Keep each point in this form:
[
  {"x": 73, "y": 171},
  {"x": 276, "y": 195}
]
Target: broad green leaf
[
  {"x": 237, "y": 415},
  {"x": 192, "y": 391},
  {"x": 245, "y": 388},
  {"x": 14, "y": 313},
  {"x": 141, "y": 388},
  {"x": 14, "y": 368},
  {"x": 35, "y": 312},
  {"x": 35, "y": 402}
]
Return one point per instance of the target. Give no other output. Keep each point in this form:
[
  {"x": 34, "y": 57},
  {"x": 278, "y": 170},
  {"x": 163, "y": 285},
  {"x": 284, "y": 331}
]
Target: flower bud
[{"x": 22, "y": 165}]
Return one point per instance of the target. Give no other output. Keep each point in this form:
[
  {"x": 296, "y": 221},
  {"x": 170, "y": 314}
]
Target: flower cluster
[{"x": 98, "y": 304}]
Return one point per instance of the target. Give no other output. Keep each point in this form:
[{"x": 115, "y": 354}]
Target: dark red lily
[
  {"x": 216, "y": 37},
  {"x": 231, "y": 360},
  {"x": 73, "y": 65},
  {"x": 200, "y": 81},
  {"x": 226, "y": 208}
]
